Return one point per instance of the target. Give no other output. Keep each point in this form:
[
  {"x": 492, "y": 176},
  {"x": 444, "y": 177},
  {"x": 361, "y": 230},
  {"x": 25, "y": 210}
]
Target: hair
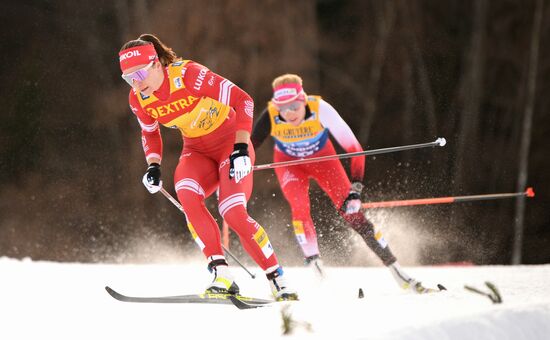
[
  {"x": 286, "y": 79},
  {"x": 165, "y": 53}
]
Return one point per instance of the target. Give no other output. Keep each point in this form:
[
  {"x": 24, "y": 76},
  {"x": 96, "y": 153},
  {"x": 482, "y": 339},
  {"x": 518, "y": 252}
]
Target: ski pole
[
  {"x": 178, "y": 205},
  {"x": 438, "y": 142},
  {"x": 440, "y": 200},
  {"x": 225, "y": 234}
]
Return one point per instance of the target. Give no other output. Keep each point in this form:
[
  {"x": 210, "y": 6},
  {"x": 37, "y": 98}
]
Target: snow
[{"x": 47, "y": 300}]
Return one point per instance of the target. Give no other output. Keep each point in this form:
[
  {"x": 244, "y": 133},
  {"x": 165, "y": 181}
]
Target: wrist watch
[{"x": 357, "y": 186}]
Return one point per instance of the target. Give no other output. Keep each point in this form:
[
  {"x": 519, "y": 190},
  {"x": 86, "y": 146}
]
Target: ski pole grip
[{"x": 441, "y": 141}]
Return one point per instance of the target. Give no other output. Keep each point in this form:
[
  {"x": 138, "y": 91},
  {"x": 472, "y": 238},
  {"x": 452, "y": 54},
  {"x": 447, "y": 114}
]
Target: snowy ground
[{"x": 43, "y": 300}]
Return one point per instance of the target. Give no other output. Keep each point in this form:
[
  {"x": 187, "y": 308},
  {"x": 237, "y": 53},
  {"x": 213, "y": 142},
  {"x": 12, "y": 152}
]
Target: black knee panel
[
  {"x": 360, "y": 224},
  {"x": 365, "y": 228}
]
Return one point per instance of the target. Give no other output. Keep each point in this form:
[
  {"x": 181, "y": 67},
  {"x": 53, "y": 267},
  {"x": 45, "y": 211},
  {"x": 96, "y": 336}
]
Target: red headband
[
  {"x": 286, "y": 93},
  {"x": 137, "y": 55}
]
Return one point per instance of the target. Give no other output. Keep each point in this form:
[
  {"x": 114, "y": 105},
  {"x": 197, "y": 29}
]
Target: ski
[
  {"x": 242, "y": 304},
  {"x": 440, "y": 288},
  {"x": 217, "y": 298},
  {"x": 420, "y": 289},
  {"x": 493, "y": 295},
  {"x": 251, "y": 304}
]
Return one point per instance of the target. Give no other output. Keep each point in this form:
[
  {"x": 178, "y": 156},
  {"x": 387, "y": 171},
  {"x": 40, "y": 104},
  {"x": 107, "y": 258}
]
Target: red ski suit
[
  {"x": 311, "y": 139},
  {"x": 208, "y": 109}
]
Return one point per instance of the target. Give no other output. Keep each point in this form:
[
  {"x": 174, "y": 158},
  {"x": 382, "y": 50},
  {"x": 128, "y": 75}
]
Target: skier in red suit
[
  {"x": 215, "y": 118},
  {"x": 300, "y": 126}
]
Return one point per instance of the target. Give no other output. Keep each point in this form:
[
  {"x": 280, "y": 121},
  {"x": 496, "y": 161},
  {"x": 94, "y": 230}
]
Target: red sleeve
[
  {"x": 357, "y": 165},
  {"x": 151, "y": 139},
  {"x": 200, "y": 81},
  {"x": 340, "y": 130}
]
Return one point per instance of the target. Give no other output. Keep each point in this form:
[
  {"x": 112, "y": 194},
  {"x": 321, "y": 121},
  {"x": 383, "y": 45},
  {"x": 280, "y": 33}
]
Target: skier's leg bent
[
  {"x": 192, "y": 188},
  {"x": 375, "y": 241},
  {"x": 333, "y": 180},
  {"x": 232, "y": 207},
  {"x": 195, "y": 179}
]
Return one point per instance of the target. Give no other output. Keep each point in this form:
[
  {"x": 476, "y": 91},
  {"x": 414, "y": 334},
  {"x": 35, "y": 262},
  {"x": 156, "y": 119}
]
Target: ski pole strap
[
  {"x": 437, "y": 142},
  {"x": 529, "y": 192}
]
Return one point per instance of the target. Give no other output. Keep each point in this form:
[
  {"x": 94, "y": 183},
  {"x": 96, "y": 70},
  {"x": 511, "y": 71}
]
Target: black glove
[
  {"x": 352, "y": 204},
  {"x": 239, "y": 162},
  {"x": 151, "y": 179}
]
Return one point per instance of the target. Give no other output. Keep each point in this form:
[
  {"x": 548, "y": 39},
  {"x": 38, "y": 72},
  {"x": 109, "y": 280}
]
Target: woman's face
[
  {"x": 293, "y": 112},
  {"x": 145, "y": 78}
]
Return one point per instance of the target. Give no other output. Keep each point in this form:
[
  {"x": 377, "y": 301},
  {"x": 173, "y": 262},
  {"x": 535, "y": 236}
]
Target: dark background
[{"x": 399, "y": 72}]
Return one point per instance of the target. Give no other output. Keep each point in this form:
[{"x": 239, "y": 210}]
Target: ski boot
[
  {"x": 279, "y": 286},
  {"x": 405, "y": 281},
  {"x": 316, "y": 264},
  {"x": 223, "y": 282}
]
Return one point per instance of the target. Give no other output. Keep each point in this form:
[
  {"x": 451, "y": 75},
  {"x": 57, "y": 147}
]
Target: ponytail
[{"x": 165, "y": 53}]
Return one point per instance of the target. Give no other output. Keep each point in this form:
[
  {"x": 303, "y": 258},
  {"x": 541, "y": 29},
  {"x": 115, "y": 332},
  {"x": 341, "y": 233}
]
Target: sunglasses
[
  {"x": 138, "y": 75},
  {"x": 292, "y": 106}
]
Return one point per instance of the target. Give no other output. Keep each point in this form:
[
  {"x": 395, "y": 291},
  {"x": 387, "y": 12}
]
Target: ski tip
[
  {"x": 240, "y": 304},
  {"x": 441, "y": 287},
  {"x": 112, "y": 292},
  {"x": 361, "y": 294}
]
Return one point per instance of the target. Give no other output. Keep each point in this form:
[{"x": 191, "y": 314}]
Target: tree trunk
[
  {"x": 526, "y": 132},
  {"x": 470, "y": 95},
  {"x": 385, "y": 26},
  {"x": 409, "y": 10},
  {"x": 409, "y": 95}
]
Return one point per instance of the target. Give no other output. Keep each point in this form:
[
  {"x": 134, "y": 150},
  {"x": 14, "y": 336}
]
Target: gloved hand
[
  {"x": 239, "y": 162},
  {"x": 151, "y": 179},
  {"x": 352, "y": 204}
]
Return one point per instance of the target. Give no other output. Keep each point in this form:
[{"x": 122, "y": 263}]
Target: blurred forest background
[{"x": 476, "y": 72}]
